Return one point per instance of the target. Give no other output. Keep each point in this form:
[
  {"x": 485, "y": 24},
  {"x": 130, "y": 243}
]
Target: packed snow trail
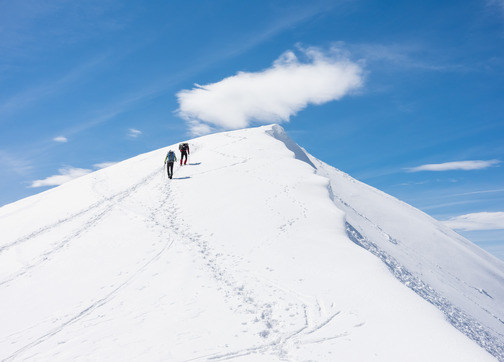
[{"x": 243, "y": 255}]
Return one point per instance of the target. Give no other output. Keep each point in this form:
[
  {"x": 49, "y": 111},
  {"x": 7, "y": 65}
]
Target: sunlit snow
[{"x": 254, "y": 251}]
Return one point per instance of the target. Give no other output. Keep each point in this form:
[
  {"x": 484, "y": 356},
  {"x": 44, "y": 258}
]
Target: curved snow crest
[
  {"x": 279, "y": 133},
  {"x": 242, "y": 255}
]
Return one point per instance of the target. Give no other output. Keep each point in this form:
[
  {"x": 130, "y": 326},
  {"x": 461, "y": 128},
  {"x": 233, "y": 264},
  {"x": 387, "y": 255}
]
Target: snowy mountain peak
[{"x": 255, "y": 250}]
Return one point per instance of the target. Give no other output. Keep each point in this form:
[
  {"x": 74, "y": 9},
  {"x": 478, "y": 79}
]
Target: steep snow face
[
  {"x": 248, "y": 253},
  {"x": 462, "y": 280}
]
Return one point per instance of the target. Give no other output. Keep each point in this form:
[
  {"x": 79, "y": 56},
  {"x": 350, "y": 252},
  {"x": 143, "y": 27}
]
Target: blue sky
[{"x": 407, "y": 96}]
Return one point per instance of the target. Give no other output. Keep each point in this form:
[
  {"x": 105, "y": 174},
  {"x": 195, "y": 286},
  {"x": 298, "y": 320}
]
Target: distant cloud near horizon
[
  {"x": 65, "y": 174},
  {"x": 272, "y": 95},
  {"x": 458, "y": 165},
  {"x": 477, "y": 221},
  {"x": 68, "y": 173},
  {"x": 61, "y": 139}
]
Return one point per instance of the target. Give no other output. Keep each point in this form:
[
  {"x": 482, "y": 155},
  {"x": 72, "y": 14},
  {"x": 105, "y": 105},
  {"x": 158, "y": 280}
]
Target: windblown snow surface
[{"x": 254, "y": 251}]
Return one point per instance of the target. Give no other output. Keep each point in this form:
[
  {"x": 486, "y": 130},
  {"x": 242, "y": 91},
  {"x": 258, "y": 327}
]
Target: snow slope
[{"x": 255, "y": 251}]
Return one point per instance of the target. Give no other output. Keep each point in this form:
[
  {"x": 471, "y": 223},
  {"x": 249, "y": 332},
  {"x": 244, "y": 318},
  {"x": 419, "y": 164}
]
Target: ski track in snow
[
  {"x": 107, "y": 204},
  {"x": 89, "y": 309},
  {"x": 92, "y": 215}
]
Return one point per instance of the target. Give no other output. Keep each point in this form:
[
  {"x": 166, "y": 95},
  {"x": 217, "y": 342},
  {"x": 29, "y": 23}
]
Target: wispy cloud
[
  {"x": 271, "y": 95},
  {"x": 408, "y": 56},
  {"x": 134, "y": 133},
  {"x": 65, "y": 174},
  {"x": 14, "y": 164},
  {"x": 113, "y": 109},
  {"x": 36, "y": 93},
  {"x": 33, "y": 26},
  {"x": 479, "y": 192},
  {"x": 288, "y": 17},
  {"x": 457, "y": 165},
  {"x": 61, "y": 139},
  {"x": 498, "y": 4},
  {"x": 477, "y": 221}
]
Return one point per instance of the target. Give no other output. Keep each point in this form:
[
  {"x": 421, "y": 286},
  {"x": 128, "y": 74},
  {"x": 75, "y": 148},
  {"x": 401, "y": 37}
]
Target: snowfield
[{"x": 254, "y": 251}]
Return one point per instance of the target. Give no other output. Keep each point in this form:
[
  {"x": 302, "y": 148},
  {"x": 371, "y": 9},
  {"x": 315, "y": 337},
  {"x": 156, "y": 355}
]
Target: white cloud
[
  {"x": 134, "y": 133},
  {"x": 477, "y": 221},
  {"x": 271, "y": 95},
  {"x": 459, "y": 165},
  {"x": 104, "y": 164},
  {"x": 65, "y": 174},
  {"x": 61, "y": 139}
]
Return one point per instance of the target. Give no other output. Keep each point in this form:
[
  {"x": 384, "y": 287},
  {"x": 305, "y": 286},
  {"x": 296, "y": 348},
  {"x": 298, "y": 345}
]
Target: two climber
[{"x": 170, "y": 158}]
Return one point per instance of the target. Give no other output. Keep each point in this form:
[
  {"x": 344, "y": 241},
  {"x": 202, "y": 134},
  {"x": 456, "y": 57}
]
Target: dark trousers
[
  {"x": 182, "y": 154},
  {"x": 169, "y": 169}
]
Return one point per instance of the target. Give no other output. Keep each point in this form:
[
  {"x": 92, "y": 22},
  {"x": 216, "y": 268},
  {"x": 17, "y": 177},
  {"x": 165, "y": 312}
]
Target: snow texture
[{"x": 254, "y": 251}]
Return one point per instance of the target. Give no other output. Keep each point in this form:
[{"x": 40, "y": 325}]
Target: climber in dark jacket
[{"x": 184, "y": 151}]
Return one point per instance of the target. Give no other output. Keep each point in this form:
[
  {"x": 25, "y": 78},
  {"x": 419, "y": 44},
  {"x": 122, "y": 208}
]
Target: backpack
[
  {"x": 171, "y": 156},
  {"x": 183, "y": 147}
]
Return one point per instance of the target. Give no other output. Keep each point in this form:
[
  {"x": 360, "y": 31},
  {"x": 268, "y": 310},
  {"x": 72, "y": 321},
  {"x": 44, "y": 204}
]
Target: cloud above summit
[{"x": 271, "y": 95}]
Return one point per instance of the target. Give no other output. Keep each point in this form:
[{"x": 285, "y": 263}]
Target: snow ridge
[{"x": 243, "y": 255}]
